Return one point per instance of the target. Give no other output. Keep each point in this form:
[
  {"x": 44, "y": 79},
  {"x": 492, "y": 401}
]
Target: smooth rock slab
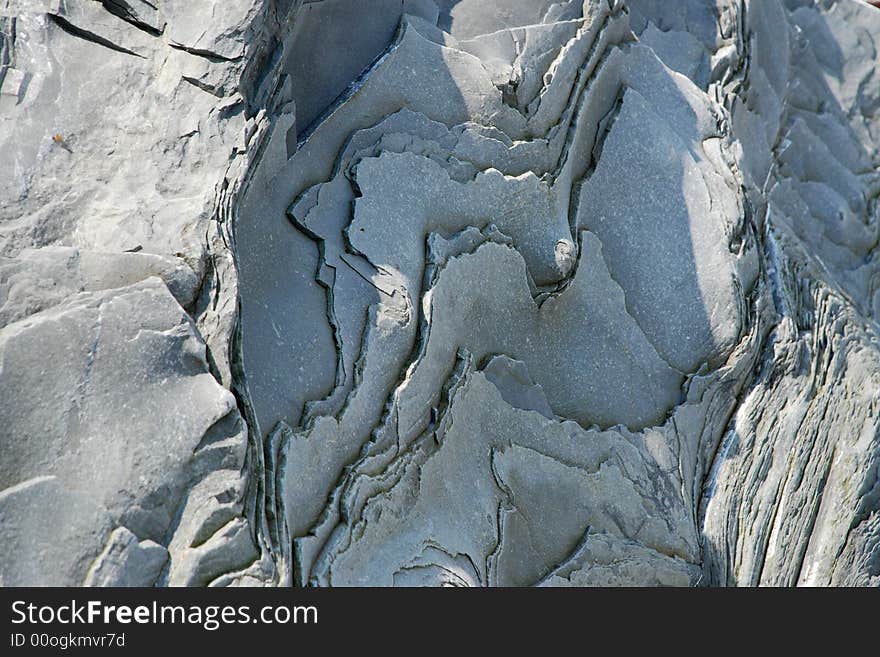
[{"x": 124, "y": 400}]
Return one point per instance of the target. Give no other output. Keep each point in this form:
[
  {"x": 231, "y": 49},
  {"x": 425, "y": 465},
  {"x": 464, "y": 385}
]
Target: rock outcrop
[{"x": 439, "y": 292}]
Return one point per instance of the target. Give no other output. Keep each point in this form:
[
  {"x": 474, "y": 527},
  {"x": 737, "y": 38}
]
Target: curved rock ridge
[{"x": 439, "y": 293}]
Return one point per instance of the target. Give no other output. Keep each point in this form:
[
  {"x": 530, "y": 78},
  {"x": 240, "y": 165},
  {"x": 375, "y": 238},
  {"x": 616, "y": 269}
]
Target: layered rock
[
  {"x": 440, "y": 293},
  {"x": 126, "y": 129}
]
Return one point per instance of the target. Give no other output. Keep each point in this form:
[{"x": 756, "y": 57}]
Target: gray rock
[
  {"x": 125, "y": 402},
  {"x": 512, "y": 379},
  {"x": 439, "y": 293},
  {"x": 127, "y": 562},
  {"x": 40, "y": 278}
]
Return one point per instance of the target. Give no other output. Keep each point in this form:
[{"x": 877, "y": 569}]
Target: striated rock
[{"x": 439, "y": 292}]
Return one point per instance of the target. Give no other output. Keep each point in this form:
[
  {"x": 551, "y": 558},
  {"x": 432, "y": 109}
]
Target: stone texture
[
  {"x": 123, "y": 141},
  {"x": 439, "y": 293}
]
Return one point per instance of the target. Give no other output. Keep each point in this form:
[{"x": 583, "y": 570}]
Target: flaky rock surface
[{"x": 439, "y": 292}]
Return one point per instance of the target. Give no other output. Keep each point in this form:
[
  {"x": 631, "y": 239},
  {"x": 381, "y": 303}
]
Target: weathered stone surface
[
  {"x": 125, "y": 401},
  {"x": 439, "y": 292},
  {"x": 127, "y": 562},
  {"x": 122, "y": 143}
]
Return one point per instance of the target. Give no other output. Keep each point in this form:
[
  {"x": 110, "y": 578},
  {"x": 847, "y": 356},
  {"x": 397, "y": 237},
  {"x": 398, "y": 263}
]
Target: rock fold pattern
[{"x": 439, "y": 292}]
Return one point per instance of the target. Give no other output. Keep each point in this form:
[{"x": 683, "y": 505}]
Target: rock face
[{"x": 439, "y": 292}]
